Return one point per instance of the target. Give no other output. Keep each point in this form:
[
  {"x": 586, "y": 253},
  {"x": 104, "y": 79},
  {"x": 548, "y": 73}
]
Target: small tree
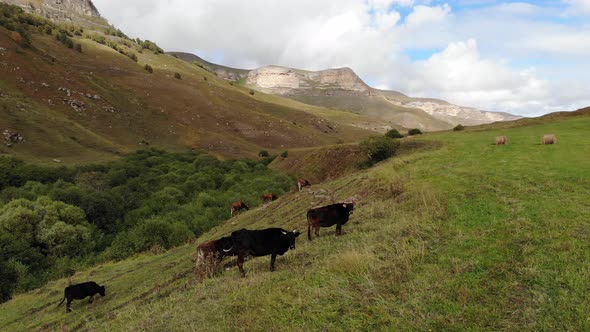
[
  {"x": 132, "y": 56},
  {"x": 459, "y": 127},
  {"x": 78, "y": 47},
  {"x": 414, "y": 131},
  {"x": 148, "y": 68},
  {"x": 393, "y": 133},
  {"x": 251, "y": 92},
  {"x": 177, "y": 75},
  {"x": 263, "y": 154},
  {"x": 285, "y": 154}
]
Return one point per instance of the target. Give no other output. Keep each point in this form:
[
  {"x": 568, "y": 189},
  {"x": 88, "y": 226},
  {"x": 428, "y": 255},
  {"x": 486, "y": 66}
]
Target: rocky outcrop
[
  {"x": 287, "y": 81},
  {"x": 80, "y": 11},
  {"x": 12, "y": 137}
]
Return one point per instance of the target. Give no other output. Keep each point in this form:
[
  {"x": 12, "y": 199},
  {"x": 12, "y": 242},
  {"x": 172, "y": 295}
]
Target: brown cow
[
  {"x": 327, "y": 216},
  {"x": 269, "y": 197},
  {"x": 303, "y": 183},
  {"x": 238, "y": 206}
]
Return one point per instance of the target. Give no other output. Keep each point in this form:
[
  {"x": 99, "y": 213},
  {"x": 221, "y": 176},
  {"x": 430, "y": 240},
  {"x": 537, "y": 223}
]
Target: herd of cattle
[
  {"x": 270, "y": 241},
  {"x": 245, "y": 243}
]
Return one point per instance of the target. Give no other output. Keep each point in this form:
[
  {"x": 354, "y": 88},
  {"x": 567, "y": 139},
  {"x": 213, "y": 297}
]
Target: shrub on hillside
[
  {"x": 459, "y": 127},
  {"x": 132, "y": 56},
  {"x": 177, "y": 76},
  {"x": 414, "y": 131},
  {"x": 252, "y": 92},
  {"x": 379, "y": 148},
  {"x": 285, "y": 154},
  {"x": 148, "y": 68},
  {"x": 393, "y": 133},
  {"x": 263, "y": 154},
  {"x": 63, "y": 38},
  {"x": 78, "y": 47}
]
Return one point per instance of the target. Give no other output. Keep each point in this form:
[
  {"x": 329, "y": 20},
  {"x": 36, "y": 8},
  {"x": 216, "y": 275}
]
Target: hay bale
[
  {"x": 501, "y": 140},
  {"x": 549, "y": 139}
]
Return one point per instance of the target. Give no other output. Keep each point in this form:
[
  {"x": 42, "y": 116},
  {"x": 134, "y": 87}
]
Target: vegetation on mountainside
[
  {"x": 378, "y": 148},
  {"x": 393, "y": 133},
  {"x": 52, "y": 221},
  {"x": 472, "y": 236},
  {"x": 414, "y": 131}
]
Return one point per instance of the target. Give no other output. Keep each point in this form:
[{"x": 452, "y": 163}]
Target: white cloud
[
  {"x": 578, "y": 7},
  {"x": 519, "y": 61},
  {"x": 423, "y": 15}
]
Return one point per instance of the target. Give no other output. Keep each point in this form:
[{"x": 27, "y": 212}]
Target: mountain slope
[
  {"x": 77, "y": 107},
  {"x": 489, "y": 243}
]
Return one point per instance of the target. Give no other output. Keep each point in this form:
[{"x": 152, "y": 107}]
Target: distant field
[{"x": 469, "y": 236}]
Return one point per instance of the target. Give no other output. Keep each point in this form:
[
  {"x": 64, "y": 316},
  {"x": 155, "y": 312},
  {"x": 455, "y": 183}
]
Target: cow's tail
[{"x": 62, "y": 301}]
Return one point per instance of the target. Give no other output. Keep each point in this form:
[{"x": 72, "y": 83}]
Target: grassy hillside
[
  {"x": 471, "y": 236},
  {"x": 47, "y": 94}
]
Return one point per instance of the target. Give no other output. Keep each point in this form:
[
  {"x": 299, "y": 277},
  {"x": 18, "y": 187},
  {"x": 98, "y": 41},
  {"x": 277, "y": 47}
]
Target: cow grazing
[
  {"x": 329, "y": 215},
  {"x": 238, "y": 206},
  {"x": 269, "y": 197},
  {"x": 264, "y": 242},
  {"x": 217, "y": 249},
  {"x": 80, "y": 291},
  {"x": 301, "y": 183}
]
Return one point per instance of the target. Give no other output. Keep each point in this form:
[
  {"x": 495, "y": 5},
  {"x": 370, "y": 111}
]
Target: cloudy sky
[{"x": 527, "y": 57}]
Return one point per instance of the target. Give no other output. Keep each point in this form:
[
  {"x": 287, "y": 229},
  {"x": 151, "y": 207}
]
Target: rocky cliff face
[
  {"x": 80, "y": 11},
  {"x": 344, "y": 82},
  {"x": 288, "y": 81}
]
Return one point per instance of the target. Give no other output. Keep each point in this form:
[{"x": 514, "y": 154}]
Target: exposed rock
[
  {"x": 76, "y": 104},
  {"x": 110, "y": 109},
  {"x": 287, "y": 81},
  {"x": 80, "y": 11},
  {"x": 12, "y": 137}
]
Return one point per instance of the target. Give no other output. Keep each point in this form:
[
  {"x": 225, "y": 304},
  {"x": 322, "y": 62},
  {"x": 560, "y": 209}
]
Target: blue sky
[{"x": 522, "y": 57}]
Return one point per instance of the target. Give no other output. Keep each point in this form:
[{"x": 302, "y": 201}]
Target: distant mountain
[{"x": 340, "y": 87}]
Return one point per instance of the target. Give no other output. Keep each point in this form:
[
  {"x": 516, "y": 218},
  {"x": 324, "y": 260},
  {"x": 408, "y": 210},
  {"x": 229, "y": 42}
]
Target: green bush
[
  {"x": 252, "y": 92},
  {"x": 177, "y": 76},
  {"x": 148, "y": 68},
  {"x": 379, "y": 148},
  {"x": 263, "y": 154},
  {"x": 285, "y": 154},
  {"x": 78, "y": 47},
  {"x": 414, "y": 131},
  {"x": 393, "y": 133},
  {"x": 63, "y": 38},
  {"x": 132, "y": 56},
  {"x": 459, "y": 127}
]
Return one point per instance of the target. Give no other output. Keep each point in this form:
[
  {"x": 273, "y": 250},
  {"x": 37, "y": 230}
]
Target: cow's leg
[
  {"x": 317, "y": 230},
  {"x": 91, "y": 299},
  {"x": 241, "y": 265},
  {"x": 338, "y": 229},
  {"x": 231, "y": 212},
  {"x": 309, "y": 231},
  {"x": 272, "y": 262},
  {"x": 68, "y": 309}
]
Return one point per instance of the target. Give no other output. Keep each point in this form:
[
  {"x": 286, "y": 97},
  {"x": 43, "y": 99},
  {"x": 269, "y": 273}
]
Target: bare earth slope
[{"x": 77, "y": 107}]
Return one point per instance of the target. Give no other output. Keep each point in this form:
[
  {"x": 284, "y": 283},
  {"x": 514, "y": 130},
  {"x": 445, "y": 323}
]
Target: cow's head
[
  {"x": 349, "y": 206},
  {"x": 102, "y": 291},
  {"x": 291, "y": 236}
]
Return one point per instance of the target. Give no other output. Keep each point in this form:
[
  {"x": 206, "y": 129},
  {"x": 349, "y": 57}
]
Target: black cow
[
  {"x": 329, "y": 215},
  {"x": 218, "y": 249},
  {"x": 80, "y": 291},
  {"x": 264, "y": 242}
]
